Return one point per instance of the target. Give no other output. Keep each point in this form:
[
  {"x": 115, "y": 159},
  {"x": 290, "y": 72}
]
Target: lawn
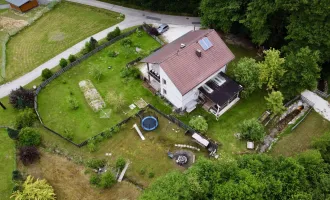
[
  {"x": 84, "y": 122},
  {"x": 59, "y": 29},
  {"x": 70, "y": 182},
  {"x": 7, "y": 164},
  {"x": 300, "y": 139}
]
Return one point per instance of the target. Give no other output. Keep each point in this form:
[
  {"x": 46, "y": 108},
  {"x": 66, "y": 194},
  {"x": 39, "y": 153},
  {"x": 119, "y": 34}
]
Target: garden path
[
  {"x": 321, "y": 106},
  {"x": 133, "y": 17}
]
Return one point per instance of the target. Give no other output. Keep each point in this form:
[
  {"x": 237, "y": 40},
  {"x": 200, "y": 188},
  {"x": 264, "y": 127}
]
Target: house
[
  {"x": 23, "y": 5},
  {"x": 191, "y": 70}
]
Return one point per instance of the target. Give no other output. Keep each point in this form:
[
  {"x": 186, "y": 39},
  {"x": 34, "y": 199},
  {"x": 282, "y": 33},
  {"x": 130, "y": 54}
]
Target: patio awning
[
  {"x": 200, "y": 139},
  {"x": 223, "y": 93}
]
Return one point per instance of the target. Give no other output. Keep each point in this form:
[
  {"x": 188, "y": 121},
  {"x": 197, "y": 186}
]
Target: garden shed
[{"x": 23, "y": 5}]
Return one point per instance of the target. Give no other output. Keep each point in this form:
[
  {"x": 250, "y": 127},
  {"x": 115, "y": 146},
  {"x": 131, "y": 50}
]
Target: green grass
[
  {"x": 224, "y": 129},
  {"x": 59, "y": 29},
  {"x": 300, "y": 139},
  {"x": 83, "y": 122},
  {"x": 7, "y": 164},
  {"x": 3, "y": 2}
]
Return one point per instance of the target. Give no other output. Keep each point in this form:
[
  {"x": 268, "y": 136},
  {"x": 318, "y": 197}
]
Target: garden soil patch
[{"x": 70, "y": 181}]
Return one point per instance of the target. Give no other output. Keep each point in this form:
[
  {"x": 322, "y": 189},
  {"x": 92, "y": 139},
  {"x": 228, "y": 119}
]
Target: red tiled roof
[{"x": 185, "y": 69}]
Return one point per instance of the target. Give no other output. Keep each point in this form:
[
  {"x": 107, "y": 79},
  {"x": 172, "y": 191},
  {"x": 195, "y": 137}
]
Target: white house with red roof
[{"x": 191, "y": 70}]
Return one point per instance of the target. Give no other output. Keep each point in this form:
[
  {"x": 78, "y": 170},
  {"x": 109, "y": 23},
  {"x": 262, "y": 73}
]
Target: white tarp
[{"x": 200, "y": 139}]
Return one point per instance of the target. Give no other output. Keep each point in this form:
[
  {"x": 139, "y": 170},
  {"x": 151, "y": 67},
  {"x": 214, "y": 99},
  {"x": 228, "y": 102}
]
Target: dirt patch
[
  {"x": 7, "y": 23},
  {"x": 70, "y": 181},
  {"x": 56, "y": 36},
  {"x": 92, "y": 96}
]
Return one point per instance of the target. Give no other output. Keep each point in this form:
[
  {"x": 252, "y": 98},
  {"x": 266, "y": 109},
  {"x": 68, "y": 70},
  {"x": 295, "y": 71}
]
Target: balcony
[{"x": 154, "y": 75}]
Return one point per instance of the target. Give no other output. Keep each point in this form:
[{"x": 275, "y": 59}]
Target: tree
[
  {"x": 246, "y": 72},
  {"x": 275, "y": 102},
  {"x": 72, "y": 58},
  {"x": 113, "y": 34},
  {"x": 46, "y": 74},
  {"x": 302, "y": 72},
  {"x": 271, "y": 69},
  {"x": 107, "y": 180},
  {"x": 323, "y": 145},
  {"x": 93, "y": 43},
  {"x": 25, "y": 118},
  {"x": 12, "y": 133},
  {"x": 120, "y": 163},
  {"x": 28, "y": 154},
  {"x": 199, "y": 123},
  {"x": 252, "y": 130},
  {"x": 29, "y": 137},
  {"x": 38, "y": 189},
  {"x": 21, "y": 98},
  {"x": 63, "y": 62}
]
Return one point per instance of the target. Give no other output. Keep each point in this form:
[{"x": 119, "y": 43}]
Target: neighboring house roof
[
  {"x": 18, "y": 3},
  {"x": 185, "y": 69}
]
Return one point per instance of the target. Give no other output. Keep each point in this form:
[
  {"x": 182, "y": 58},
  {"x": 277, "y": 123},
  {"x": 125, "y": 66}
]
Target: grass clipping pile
[{"x": 92, "y": 96}]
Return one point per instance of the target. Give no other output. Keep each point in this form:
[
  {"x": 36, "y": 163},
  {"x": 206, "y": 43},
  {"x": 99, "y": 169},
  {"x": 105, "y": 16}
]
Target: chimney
[
  {"x": 182, "y": 46},
  {"x": 198, "y": 53}
]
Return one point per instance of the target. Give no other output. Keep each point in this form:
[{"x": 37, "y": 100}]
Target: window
[
  {"x": 205, "y": 43},
  {"x": 164, "y": 91},
  {"x": 164, "y": 81}
]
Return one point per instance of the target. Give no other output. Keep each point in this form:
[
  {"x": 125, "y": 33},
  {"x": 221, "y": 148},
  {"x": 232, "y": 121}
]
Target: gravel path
[{"x": 133, "y": 17}]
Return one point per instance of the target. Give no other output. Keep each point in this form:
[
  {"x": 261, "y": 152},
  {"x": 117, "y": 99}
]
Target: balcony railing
[{"x": 154, "y": 75}]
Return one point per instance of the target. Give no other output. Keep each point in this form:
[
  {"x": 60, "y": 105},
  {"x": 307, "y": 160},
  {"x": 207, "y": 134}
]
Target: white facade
[{"x": 187, "y": 101}]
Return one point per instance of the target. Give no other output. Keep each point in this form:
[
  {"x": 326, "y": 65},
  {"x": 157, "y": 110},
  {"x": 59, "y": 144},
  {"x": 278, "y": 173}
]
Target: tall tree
[
  {"x": 32, "y": 190},
  {"x": 302, "y": 72},
  {"x": 246, "y": 72},
  {"x": 271, "y": 69},
  {"x": 275, "y": 102}
]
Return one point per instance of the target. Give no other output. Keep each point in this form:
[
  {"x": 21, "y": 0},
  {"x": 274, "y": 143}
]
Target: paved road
[{"x": 132, "y": 17}]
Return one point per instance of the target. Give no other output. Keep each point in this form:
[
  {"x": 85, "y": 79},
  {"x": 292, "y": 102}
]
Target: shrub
[
  {"x": 96, "y": 163},
  {"x": 139, "y": 32},
  {"x": 95, "y": 180},
  {"x": 12, "y": 133},
  {"x": 199, "y": 124},
  {"x": 112, "y": 54},
  {"x": 73, "y": 103},
  {"x": 29, "y": 137},
  {"x": 16, "y": 175},
  {"x": 108, "y": 133},
  {"x": 107, "y": 180},
  {"x": 116, "y": 129},
  {"x": 113, "y": 34},
  {"x": 25, "y": 118},
  {"x": 72, "y": 58},
  {"x": 120, "y": 163},
  {"x": 126, "y": 42},
  {"x": 28, "y": 155},
  {"x": 153, "y": 31},
  {"x": 96, "y": 73},
  {"x": 91, "y": 146},
  {"x": 142, "y": 171},
  {"x": 21, "y": 98},
  {"x": 131, "y": 72},
  {"x": 252, "y": 130},
  {"x": 68, "y": 134},
  {"x": 92, "y": 44},
  {"x": 46, "y": 74},
  {"x": 151, "y": 174},
  {"x": 63, "y": 62}
]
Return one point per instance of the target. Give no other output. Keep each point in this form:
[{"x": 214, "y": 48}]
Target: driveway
[
  {"x": 176, "y": 31},
  {"x": 133, "y": 17}
]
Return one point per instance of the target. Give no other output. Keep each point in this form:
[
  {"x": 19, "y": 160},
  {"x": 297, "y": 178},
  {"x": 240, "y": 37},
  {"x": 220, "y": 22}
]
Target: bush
[
  {"x": 131, "y": 72},
  {"x": 153, "y": 31},
  {"x": 96, "y": 73},
  {"x": 112, "y": 54},
  {"x": 28, "y": 154},
  {"x": 73, "y": 103},
  {"x": 107, "y": 180},
  {"x": 95, "y": 180},
  {"x": 16, "y": 175},
  {"x": 91, "y": 146},
  {"x": 113, "y": 34},
  {"x": 126, "y": 42},
  {"x": 151, "y": 174},
  {"x": 96, "y": 163},
  {"x": 63, "y": 62},
  {"x": 68, "y": 134},
  {"x": 139, "y": 32},
  {"x": 252, "y": 130},
  {"x": 72, "y": 58},
  {"x": 142, "y": 172},
  {"x": 46, "y": 74},
  {"x": 21, "y": 98},
  {"x": 120, "y": 163},
  {"x": 25, "y": 118},
  {"x": 92, "y": 44},
  {"x": 12, "y": 133},
  {"x": 199, "y": 124},
  {"x": 29, "y": 137}
]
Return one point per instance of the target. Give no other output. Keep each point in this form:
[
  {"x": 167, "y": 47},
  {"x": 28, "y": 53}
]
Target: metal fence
[{"x": 322, "y": 94}]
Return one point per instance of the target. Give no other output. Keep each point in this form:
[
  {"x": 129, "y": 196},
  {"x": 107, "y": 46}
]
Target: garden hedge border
[{"x": 145, "y": 27}]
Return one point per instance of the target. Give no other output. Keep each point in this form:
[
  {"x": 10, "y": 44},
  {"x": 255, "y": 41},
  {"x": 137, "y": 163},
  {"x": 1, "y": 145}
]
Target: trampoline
[{"x": 149, "y": 123}]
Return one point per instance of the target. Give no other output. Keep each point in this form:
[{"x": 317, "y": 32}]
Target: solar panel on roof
[{"x": 205, "y": 43}]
